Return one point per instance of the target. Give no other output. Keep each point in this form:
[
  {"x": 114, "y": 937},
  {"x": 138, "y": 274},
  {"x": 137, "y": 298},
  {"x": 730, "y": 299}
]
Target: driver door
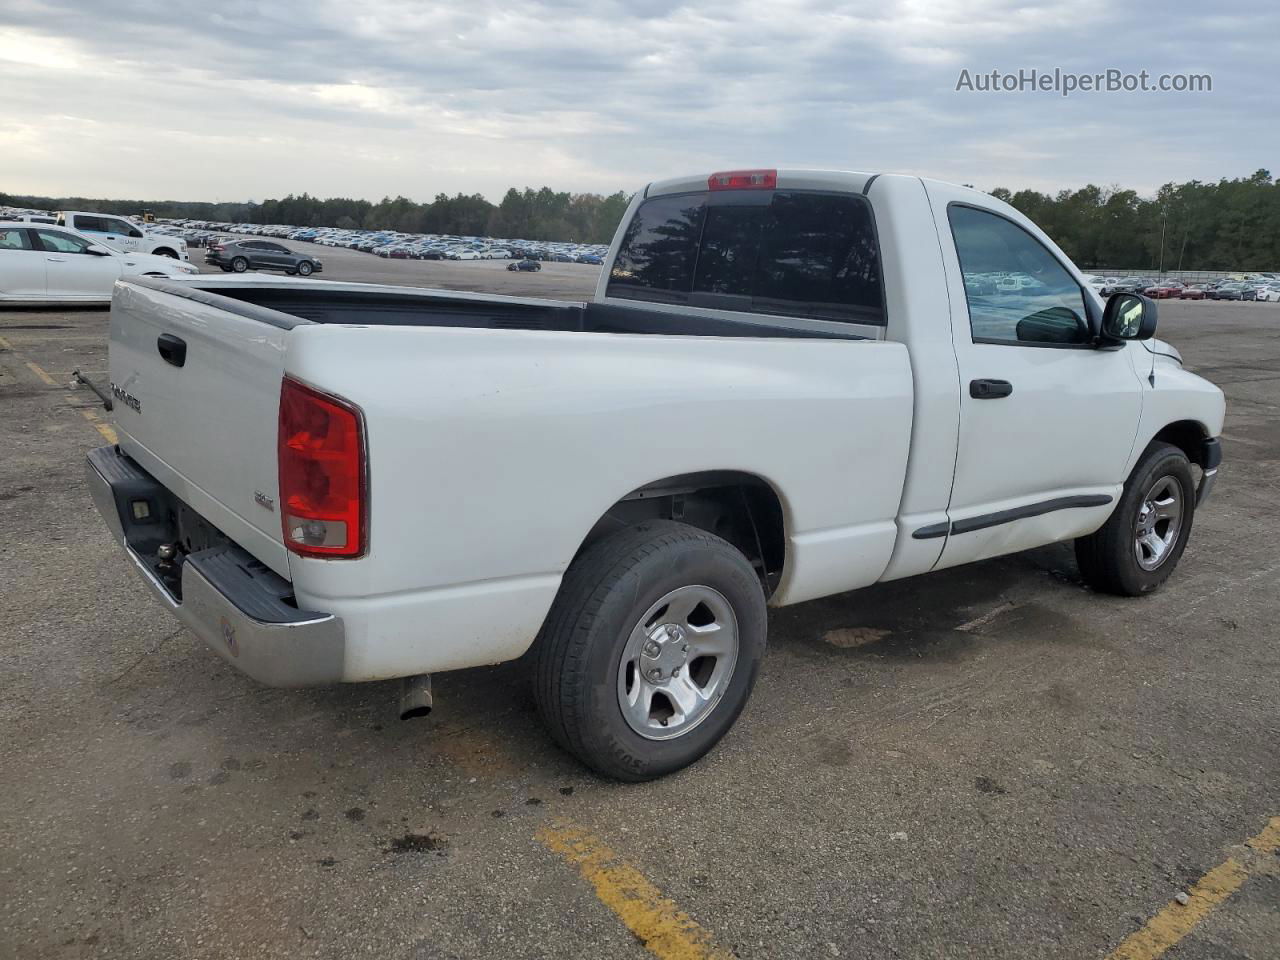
[
  {"x": 1047, "y": 421},
  {"x": 123, "y": 235}
]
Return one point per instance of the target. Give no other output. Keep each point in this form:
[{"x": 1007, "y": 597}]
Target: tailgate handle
[{"x": 173, "y": 349}]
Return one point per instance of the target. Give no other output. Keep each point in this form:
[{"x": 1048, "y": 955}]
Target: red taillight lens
[
  {"x": 323, "y": 487},
  {"x": 744, "y": 180}
]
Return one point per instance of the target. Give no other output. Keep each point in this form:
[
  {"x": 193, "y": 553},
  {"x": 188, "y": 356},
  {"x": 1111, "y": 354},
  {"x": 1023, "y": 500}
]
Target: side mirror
[
  {"x": 98, "y": 250},
  {"x": 1129, "y": 316}
]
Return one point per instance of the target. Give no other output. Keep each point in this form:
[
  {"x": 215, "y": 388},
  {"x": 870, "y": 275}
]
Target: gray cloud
[{"x": 187, "y": 100}]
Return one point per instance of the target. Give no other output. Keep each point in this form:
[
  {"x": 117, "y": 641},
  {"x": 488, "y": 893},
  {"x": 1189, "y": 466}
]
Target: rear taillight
[
  {"x": 743, "y": 180},
  {"x": 324, "y": 505}
]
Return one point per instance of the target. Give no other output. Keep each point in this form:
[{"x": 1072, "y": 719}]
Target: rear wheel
[
  {"x": 650, "y": 650},
  {"x": 1137, "y": 549},
  {"x": 239, "y": 264},
  {"x": 304, "y": 269}
]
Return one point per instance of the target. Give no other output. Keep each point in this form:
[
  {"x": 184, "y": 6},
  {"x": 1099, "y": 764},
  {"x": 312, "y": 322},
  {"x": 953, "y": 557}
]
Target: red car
[
  {"x": 1192, "y": 293},
  {"x": 1164, "y": 290}
]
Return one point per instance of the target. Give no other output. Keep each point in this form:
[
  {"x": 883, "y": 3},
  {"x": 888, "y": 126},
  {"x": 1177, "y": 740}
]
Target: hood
[{"x": 1162, "y": 348}]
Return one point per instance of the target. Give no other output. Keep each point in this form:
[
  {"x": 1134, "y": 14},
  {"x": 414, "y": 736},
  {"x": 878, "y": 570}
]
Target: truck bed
[{"x": 288, "y": 303}]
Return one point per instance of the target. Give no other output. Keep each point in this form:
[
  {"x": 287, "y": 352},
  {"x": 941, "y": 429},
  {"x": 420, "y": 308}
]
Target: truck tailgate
[{"x": 196, "y": 396}]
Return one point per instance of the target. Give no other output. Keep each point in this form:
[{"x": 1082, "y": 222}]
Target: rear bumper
[{"x": 227, "y": 598}]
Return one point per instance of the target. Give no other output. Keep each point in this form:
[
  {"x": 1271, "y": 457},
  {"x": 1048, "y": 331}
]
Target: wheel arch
[
  {"x": 1189, "y": 436},
  {"x": 164, "y": 252},
  {"x": 741, "y": 507}
]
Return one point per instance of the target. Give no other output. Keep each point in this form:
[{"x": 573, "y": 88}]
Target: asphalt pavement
[{"x": 989, "y": 761}]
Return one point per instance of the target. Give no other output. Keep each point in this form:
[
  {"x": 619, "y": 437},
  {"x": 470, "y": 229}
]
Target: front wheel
[
  {"x": 304, "y": 269},
  {"x": 650, "y": 650},
  {"x": 1138, "y": 547},
  {"x": 166, "y": 252}
]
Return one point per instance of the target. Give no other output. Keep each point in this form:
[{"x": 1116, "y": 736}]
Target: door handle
[
  {"x": 173, "y": 349},
  {"x": 56, "y": 259},
  {"x": 989, "y": 389}
]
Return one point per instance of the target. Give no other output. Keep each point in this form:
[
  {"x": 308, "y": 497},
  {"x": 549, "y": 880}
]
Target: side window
[
  {"x": 14, "y": 239},
  {"x": 1018, "y": 292},
  {"x": 92, "y": 224},
  {"x": 656, "y": 257},
  {"x": 122, "y": 227},
  {"x": 55, "y": 241},
  {"x": 811, "y": 255}
]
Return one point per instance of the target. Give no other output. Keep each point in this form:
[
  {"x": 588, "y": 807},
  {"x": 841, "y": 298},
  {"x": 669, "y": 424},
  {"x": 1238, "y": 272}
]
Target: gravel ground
[{"x": 1003, "y": 765}]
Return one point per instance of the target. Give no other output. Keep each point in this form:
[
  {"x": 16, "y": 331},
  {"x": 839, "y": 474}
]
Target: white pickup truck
[
  {"x": 789, "y": 384},
  {"x": 124, "y": 235}
]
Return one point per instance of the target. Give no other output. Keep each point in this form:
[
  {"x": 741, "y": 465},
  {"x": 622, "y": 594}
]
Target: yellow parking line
[
  {"x": 107, "y": 431},
  {"x": 665, "y": 930},
  {"x": 39, "y": 372},
  {"x": 1176, "y": 920},
  {"x": 5, "y": 344}
]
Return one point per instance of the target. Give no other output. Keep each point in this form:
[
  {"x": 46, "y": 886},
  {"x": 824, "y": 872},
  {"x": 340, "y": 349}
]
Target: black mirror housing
[{"x": 1129, "y": 316}]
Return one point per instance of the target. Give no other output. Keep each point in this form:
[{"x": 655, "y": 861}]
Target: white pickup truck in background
[
  {"x": 123, "y": 234},
  {"x": 789, "y": 384}
]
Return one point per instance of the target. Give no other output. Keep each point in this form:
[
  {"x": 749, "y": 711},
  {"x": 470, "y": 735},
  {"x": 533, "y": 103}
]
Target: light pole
[{"x": 1164, "y": 225}]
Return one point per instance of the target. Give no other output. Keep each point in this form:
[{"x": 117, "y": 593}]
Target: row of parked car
[
  {"x": 394, "y": 245},
  {"x": 1261, "y": 286}
]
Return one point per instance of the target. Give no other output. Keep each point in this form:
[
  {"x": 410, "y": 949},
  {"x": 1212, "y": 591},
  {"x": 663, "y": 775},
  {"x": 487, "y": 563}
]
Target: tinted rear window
[
  {"x": 788, "y": 253},
  {"x": 659, "y": 250}
]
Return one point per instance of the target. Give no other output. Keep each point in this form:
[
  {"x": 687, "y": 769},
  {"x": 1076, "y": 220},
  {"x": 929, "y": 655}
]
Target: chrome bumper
[
  {"x": 1207, "y": 480},
  {"x": 279, "y": 652},
  {"x": 1210, "y": 459}
]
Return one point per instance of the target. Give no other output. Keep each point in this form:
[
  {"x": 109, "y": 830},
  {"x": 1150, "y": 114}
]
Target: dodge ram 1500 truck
[{"x": 789, "y": 384}]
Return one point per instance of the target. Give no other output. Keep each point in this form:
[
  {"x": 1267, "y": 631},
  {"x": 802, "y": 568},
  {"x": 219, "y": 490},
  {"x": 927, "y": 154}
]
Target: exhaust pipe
[{"x": 415, "y": 696}]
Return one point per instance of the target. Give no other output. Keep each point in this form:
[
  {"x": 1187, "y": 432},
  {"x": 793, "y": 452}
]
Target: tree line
[
  {"x": 1228, "y": 225},
  {"x": 528, "y": 214}
]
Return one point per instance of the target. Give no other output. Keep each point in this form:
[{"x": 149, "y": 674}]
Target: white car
[
  {"x": 1269, "y": 293},
  {"x": 119, "y": 233},
  {"x": 624, "y": 484},
  {"x": 40, "y": 263}
]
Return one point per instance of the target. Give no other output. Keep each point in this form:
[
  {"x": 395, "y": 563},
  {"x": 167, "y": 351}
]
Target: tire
[
  {"x": 304, "y": 269},
  {"x": 1119, "y": 558},
  {"x": 650, "y": 573},
  {"x": 239, "y": 264},
  {"x": 166, "y": 252}
]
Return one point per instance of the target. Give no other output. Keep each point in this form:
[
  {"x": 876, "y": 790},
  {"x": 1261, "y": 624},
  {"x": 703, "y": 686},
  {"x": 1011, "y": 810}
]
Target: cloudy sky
[{"x": 231, "y": 100}]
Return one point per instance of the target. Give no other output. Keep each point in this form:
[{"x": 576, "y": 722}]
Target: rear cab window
[{"x": 788, "y": 253}]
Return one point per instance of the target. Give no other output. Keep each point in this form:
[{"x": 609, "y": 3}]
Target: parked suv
[{"x": 241, "y": 255}]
